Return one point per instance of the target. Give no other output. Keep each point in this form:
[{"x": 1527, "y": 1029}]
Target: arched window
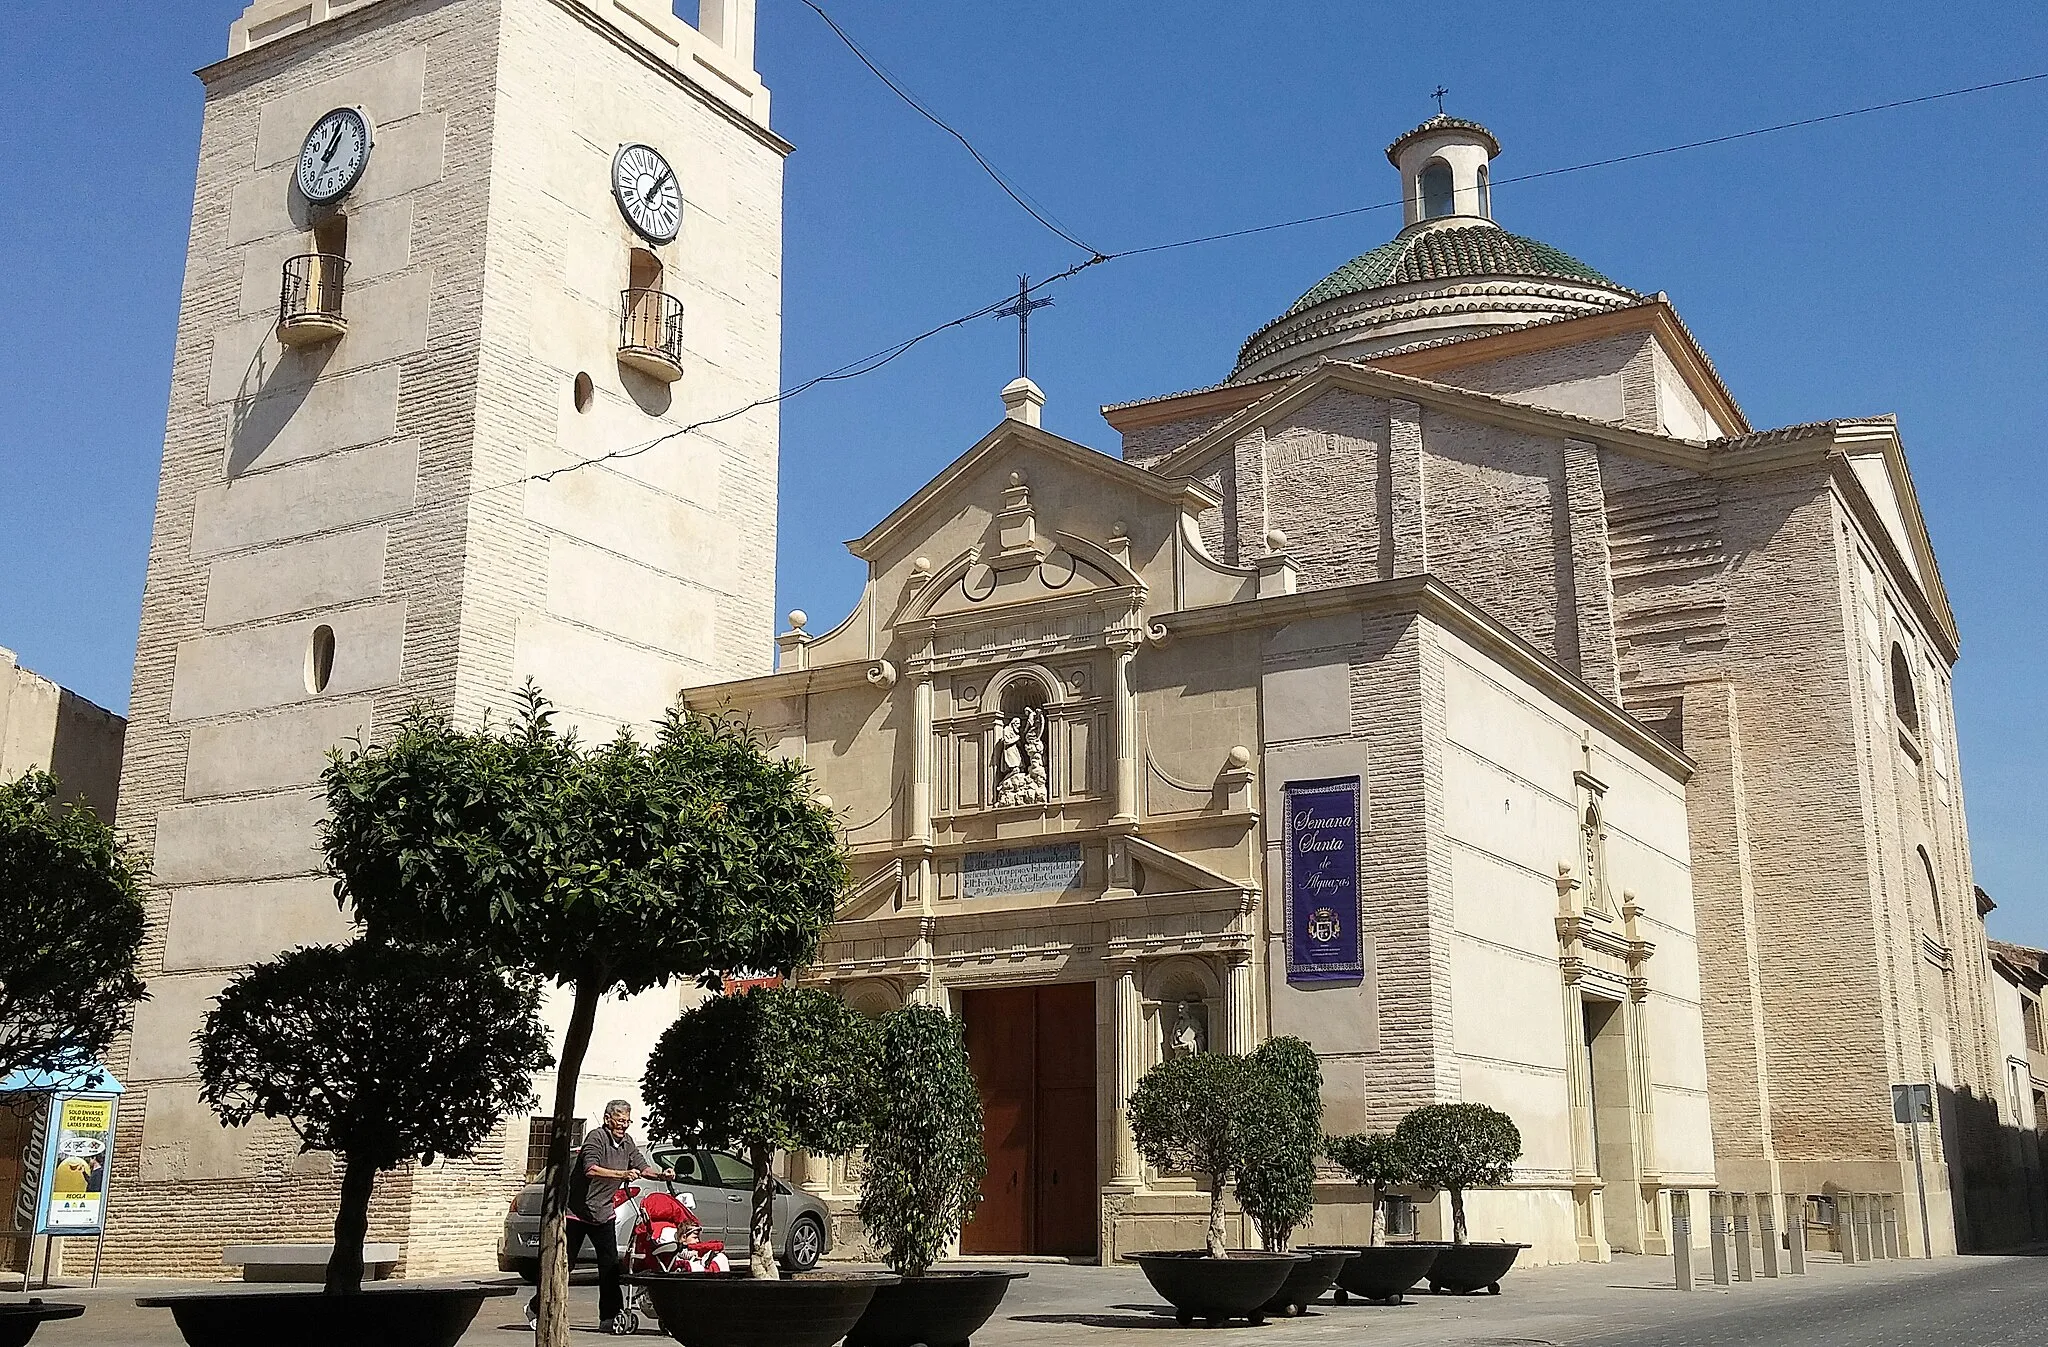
[
  {"x": 1485, "y": 192},
  {"x": 1930, "y": 900},
  {"x": 1438, "y": 197},
  {"x": 1905, "y": 705}
]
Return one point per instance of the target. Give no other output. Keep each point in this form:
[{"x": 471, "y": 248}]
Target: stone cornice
[{"x": 1429, "y": 597}]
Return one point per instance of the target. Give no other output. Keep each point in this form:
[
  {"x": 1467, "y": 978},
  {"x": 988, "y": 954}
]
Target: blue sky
[{"x": 1888, "y": 263}]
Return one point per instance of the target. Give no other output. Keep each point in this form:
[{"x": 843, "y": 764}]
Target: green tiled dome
[{"x": 1445, "y": 253}]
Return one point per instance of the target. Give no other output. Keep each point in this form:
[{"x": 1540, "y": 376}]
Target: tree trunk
[
  {"x": 1218, "y": 1247},
  {"x": 1379, "y": 1220},
  {"x": 553, "y": 1328},
  {"x": 761, "y": 1249},
  {"x": 351, "y": 1224},
  {"x": 1457, "y": 1215}
]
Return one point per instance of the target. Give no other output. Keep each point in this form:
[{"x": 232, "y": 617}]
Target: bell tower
[{"x": 443, "y": 253}]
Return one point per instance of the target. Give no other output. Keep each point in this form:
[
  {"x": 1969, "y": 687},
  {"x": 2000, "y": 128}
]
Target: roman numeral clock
[{"x": 648, "y": 194}]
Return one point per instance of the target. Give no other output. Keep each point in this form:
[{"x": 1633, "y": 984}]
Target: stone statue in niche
[
  {"x": 1190, "y": 1029},
  {"x": 1020, "y": 758}
]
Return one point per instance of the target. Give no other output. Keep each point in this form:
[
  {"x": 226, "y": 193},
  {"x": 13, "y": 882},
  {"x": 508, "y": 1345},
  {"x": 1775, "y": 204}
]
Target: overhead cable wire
[
  {"x": 871, "y": 363},
  {"x": 1013, "y": 193}
]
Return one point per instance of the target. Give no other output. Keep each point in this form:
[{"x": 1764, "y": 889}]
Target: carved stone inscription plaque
[{"x": 988, "y": 874}]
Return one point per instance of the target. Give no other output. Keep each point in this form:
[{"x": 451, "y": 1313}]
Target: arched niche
[{"x": 1181, "y": 994}]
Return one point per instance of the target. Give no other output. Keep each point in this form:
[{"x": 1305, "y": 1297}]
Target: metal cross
[
  {"x": 1020, "y": 309},
  {"x": 1438, "y": 94}
]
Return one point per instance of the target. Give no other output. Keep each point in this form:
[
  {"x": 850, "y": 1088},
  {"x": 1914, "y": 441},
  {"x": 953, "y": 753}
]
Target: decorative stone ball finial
[
  {"x": 1275, "y": 540},
  {"x": 1119, "y": 529},
  {"x": 1016, "y": 479},
  {"x": 922, "y": 565},
  {"x": 824, "y": 802},
  {"x": 797, "y": 618},
  {"x": 1240, "y": 757}
]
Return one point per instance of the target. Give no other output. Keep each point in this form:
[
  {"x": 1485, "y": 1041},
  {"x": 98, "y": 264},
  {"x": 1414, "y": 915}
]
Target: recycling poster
[{"x": 79, "y": 1151}]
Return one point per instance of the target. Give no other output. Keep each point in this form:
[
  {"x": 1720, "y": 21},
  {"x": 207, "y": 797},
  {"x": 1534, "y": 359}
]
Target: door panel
[
  {"x": 1001, "y": 1048},
  {"x": 1065, "y": 1123}
]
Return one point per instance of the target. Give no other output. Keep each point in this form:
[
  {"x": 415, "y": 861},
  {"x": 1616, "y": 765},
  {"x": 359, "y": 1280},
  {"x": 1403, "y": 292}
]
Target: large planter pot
[
  {"x": 731, "y": 1309},
  {"x": 387, "y": 1316},
  {"x": 939, "y": 1309},
  {"x": 1307, "y": 1282},
  {"x": 1216, "y": 1289},
  {"x": 1384, "y": 1272},
  {"x": 19, "y": 1319},
  {"x": 1461, "y": 1269}
]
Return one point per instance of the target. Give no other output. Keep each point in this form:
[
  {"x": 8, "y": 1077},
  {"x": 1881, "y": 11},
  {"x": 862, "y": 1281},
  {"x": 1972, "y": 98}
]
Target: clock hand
[
  {"x": 656, "y": 186},
  {"x": 333, "y": 144}
]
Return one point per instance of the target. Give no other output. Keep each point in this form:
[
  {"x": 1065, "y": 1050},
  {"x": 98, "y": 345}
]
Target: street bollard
[
  {"x": 1681, "y": 1239},
  {"x": 1795, "y": 1234},
  {"x": 1845, "y": 1229},
  {"x": 1745, "y": 1262},
  {"x": 1717, "y": 1235},
  {"x": 1767, "y": 1231}
]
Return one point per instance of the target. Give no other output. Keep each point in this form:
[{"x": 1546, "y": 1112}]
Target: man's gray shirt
[{"x": 593, "y": 1200}]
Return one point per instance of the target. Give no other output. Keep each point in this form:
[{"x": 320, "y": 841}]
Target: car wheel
[{"x": 806, "y": 1244}]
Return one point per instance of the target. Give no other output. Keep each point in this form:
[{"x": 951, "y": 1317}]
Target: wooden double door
[{"x": 1033, "y": 1053}]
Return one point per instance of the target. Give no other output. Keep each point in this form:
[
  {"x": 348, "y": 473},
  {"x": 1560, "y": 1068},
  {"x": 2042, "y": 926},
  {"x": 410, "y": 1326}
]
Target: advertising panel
[{"x": 79, "y": 1153}]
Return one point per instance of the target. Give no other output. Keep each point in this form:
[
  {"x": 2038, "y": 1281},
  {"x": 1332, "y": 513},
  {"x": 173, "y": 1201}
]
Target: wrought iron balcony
[
  {"x": 309, "y": 312},
  {"x": 651, "y": 334}
]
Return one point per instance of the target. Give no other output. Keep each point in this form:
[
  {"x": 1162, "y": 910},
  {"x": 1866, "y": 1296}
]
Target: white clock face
[
  {"x": 648, "y": 194},
  {"x": 336, "y": 153}
]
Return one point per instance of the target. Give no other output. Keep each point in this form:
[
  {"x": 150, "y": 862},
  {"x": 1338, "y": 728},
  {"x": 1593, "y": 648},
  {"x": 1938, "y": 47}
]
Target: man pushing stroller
[{"x": 608, "y": 1158}]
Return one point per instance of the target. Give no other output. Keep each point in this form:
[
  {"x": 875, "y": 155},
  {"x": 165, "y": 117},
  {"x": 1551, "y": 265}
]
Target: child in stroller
[{"x": 659, "y": 1233}]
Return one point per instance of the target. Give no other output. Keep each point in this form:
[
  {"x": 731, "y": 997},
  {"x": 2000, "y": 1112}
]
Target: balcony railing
[
  {"x": 651, "y": 334},
  {"x": 309, "y": 311}
]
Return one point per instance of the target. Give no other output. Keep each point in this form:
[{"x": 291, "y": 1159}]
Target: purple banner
[{"x": 1320, "y": 832}]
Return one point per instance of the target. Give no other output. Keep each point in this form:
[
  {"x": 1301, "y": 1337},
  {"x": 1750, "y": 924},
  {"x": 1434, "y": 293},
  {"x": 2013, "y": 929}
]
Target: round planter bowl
[
  {"x": 1216, "y": 1289},
  {"x": 1307, "y": 1282},
  {"x": 943, "y": 1308},
  {"x": 19, "y": 1319},
  {"x": 731, "y": 1309},
  {"x": 1461, "y": 1269},
  {"x": 389, "y": 1316},
  {"x": 1384, "y": 1272}
]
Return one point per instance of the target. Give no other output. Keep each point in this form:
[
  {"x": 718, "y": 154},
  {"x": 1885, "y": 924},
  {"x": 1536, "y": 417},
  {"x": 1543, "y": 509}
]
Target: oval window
[{"x": 320, "y": 659}]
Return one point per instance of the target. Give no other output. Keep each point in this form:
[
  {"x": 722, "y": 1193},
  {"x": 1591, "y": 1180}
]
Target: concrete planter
[
  {"x": 1216, "y": 1289},
  {"x": 1385, "y": 1272},
  {"x": 1305, "y": 1285},
  {"x": 730, "y": 1309},
  {"x": 387, "y": 1316},
  {"x": 1461, "y": 1269},
  {"x": 19, "y": 1319},
  {"x": 939, "y": 1309}
]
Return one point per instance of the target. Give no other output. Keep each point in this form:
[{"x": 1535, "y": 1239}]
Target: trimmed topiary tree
[
  {"x": 71, "y": 909},
  {"x": 1277, "y": 1185},
  {"x": 1459, "y": 1146},
  {"x": 773, "y": 1068},
  {"x": 1207, "y": 1112},
  {"x": 378, "y": 1053},
  {"x": 609, "y": 870},
  {"x": 1375, "y": 1162},
  {"x": 921, "y": 1178}
]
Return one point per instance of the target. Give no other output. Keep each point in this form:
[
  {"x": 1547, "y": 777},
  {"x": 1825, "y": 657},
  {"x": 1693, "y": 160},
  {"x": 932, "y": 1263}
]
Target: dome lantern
[{"x": 1445, "y": 171}]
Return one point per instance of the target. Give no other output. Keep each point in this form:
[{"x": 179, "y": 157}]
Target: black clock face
[
  {"x": 648, "y": 194},
  {"x": 336, "y": 153}
]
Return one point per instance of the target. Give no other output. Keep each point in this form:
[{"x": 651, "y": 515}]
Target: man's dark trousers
[{"x": 605, "y": 1244}]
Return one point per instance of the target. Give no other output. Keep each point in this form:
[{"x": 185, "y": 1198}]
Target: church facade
[{"x": 1498, "y": 533}]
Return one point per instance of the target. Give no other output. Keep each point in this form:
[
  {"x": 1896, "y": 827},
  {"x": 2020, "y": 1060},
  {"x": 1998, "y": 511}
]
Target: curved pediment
[{"x": 971, "y": 585}]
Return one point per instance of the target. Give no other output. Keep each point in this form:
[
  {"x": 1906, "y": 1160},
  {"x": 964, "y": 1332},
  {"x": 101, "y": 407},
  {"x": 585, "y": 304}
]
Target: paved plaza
[{"x": 1953, "y": 1302}]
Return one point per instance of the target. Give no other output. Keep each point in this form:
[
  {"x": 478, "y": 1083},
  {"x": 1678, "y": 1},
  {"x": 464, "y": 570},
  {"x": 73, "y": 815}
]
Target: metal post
[
  {"x": 49, "y": 1242},
  {"x": 1864, "y": 1248},
  {"x": 1891, "y": 1226},
  {"x": 1795, "y": 1233},
  {"x": 1845, "y": 1228},
  {"x": 1920, "y": 1182},
  {"x": 1681, "y": 1239},
  {"x": 1717, "y": 1236},
  {"x": 1767, "y": 1231},
  {"x": 1873, "y": 1213},
  {"x": 1745, "y": 1263},
  {"x": 99, "y": 1246}
]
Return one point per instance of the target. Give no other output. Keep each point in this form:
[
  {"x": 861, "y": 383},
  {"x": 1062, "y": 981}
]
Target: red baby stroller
[{"x": 656, "y": 1233}]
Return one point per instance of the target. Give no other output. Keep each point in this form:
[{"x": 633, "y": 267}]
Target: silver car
[{"x": 721, "y": 1186}]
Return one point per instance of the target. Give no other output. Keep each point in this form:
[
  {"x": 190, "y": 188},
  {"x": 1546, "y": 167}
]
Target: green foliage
[
  {"x": 1277, "y": 1183},
  {"x": 624, "y": 866},
  {"x": 1375, "y": 1161},
  {"x": 788, "y": 1068},
  {"x": 1209, "y": 1112},
  {"x": 374, "y": 1051},
  {"x": 71, "y": 910},
  {"x": 1459, "y": 1146},
  {"x": 921, "y": 1180},
  {"x": 378, "y": 1053}
]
